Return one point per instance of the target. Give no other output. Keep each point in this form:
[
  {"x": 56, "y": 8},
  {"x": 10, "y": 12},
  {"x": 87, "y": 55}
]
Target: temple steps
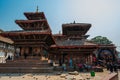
[
  {"x": 29, "y": 58},
  {"x": 26, "y": 70},
  {"x": 27, "y": 61},
  {"x": 26, "y": 66}
]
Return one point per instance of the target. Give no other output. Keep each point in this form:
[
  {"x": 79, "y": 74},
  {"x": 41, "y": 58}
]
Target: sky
[{"x": 104, "y": 15}]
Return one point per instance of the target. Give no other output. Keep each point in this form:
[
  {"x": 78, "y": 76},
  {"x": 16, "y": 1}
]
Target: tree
[{"x": 101, "y": 40}]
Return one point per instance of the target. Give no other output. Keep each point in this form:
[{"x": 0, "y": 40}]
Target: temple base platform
[{"x": 29, "y": 65}]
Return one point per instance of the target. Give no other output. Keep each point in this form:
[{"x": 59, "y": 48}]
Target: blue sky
[{"x": 104, "y": 15}]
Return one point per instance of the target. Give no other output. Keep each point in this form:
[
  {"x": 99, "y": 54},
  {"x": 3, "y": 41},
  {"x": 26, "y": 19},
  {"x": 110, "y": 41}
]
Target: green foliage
[{"x": 101, "y": 40}]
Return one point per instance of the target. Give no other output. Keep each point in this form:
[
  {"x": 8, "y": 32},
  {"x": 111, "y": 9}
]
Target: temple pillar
[
  {"x": 22, "y": 51},
  {"x": 91, "y": 59}
]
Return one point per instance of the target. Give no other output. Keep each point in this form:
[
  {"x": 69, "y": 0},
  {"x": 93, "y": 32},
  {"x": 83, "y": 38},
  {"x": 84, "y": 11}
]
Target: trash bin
[{"x": 92, "y": 73}]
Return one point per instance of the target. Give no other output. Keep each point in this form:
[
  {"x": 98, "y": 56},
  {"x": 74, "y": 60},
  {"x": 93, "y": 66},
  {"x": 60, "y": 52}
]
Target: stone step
[
  {"x": 24, "y": 65},
  {"x": 26, "y": 70},
  {"x": 27, "y": 61},
  {"x": 32, "y": 58}
]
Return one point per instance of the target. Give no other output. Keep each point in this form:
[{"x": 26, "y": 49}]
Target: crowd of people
[
  {"x": 70, "y": 63},
  {"x": 108, "y": 63}
]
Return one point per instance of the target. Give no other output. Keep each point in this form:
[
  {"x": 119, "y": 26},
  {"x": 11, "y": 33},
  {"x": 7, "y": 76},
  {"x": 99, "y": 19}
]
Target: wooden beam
[
  {"x": 32, "y": 38},
  {"x": 77, "y": 50},
  {"x": 25, "y": 42}
]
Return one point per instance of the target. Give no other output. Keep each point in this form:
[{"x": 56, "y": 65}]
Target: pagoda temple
[{"x": 36, "y": 40}]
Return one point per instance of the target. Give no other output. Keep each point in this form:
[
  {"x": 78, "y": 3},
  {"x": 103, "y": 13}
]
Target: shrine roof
[
  {"x": 26, "y": 32},
  {"x": 76, "y": 24},
  {"x": 86, "y": 44},
  {"x": 74, "y": 46},
  {"x": 31, "y": 24},
  {"x": 6, "y": 40},
  {"x": 108, "y": 45},
  {"x": 89, "y": 43},
  {"x": 21, "y": 35},
  {"x": 75, "y": 28},
  {"x": 32, "y": 13}
]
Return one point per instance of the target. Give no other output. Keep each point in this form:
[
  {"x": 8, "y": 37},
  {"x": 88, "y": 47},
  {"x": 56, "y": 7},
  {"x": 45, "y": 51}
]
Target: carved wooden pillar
[
  {"x": 86, "y": 59},
  {"x": 91, "y": 59}
]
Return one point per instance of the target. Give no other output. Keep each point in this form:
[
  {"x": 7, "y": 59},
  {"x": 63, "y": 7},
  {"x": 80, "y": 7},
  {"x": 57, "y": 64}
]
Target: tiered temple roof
[
  {"x": 35, "y": 16},
  {"x": 75, "y": 28},
  {"x": 35, "y": 31},
  {"x": 36, "y": 21}
]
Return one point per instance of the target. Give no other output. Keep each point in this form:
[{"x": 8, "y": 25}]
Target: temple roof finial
[{"x": 37, "y": 9}]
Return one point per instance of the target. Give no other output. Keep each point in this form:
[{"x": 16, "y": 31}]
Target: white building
[{"x": 6, "y": 49}]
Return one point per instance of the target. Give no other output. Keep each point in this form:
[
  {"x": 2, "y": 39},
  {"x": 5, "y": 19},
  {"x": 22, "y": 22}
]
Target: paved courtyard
[{"x": 54, "y": 76}]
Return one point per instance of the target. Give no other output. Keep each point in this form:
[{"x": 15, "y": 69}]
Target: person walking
[
  {"x": 108, "y": 65},
  {"x": 64, "y": 66},
  {"x": 111, "y": 66},
  {"x": 115, "y": 67}
]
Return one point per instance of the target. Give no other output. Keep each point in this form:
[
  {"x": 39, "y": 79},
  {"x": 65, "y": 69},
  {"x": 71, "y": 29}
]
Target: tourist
[
  {"x": 115, "y": 67},
  {"x": 74, "y": 65},
  {"x": 85, "y": 66},
  {"x": 111, "y": 66},
  {"x": 80, "y": 67},
  {"x": 17, "y": 55},
  {"x": 107, "y": 65},
  {"x": 60, "y": 61},
  {"x": 64, "y": 66},
  {"x": 51, "y": 62},
  {"x": 71, "y": 63},
  {"x": 94, "y": 60}
]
